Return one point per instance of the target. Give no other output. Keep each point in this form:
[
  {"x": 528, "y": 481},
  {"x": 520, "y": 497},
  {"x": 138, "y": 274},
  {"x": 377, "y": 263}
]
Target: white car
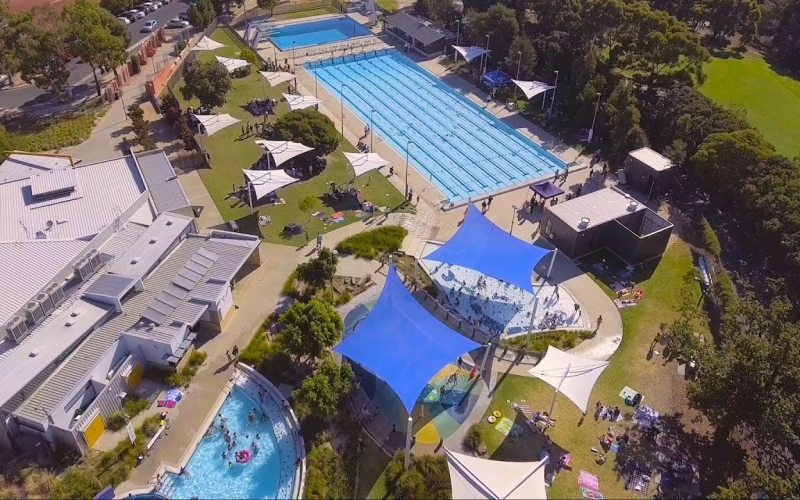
[
  {"x": 149, "y": 26},
  {"x": 147, "y": 7},
  {"x": 124, "y": 20},
  {"x": 4, "y": 80},
  {"x": 138, "y": 13},
  {"x": 158, "y": 4},
  {"x": 177, "y": 23}
]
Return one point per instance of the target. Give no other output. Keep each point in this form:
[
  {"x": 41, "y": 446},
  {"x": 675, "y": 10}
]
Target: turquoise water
[
  {"x": 461, "y": 148},
  {"x": 316, "y": 32},
  {"x": 209, "y": 474}
]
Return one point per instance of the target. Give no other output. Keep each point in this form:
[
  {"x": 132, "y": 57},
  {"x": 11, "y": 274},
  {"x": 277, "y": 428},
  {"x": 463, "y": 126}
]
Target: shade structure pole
[
  {"x": 553, "y": 403},
  {"x": 591, "y": 130},
  {"x": 458, "y": 35},
  {"x": 407, "y": 460},
  {"x": 533, "y": 318},
  {"x": 553, "y": 98},
  {"x": 486, "y": 56},
  {"x": 371, "y": 145},
  {"x": 408, "y": 144},
  {"x": 341, "y": 107},
  {"x": 485, "y": 357},
  {"x": 416, "y": 271},
  {"x": 519, "y": 65},
  {"x": 552, "y": 261},
  {"x": 250, "y": 195}
]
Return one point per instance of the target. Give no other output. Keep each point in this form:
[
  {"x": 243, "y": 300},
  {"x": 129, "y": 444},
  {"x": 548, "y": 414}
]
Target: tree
[
  {"x": 208, "y": 81},
  {"x": 605, "y": 17},
  {"x": 268, "y": 5},
  {"x": 141, "y": 127},
  {"x": 327, "y": 477},
  {"x": 91, "y": 34},
  {"x": 117, "y": 7},
  {"x": 310, "y": 328},
  {"x": 307, "y": 204},
  {"x": 171, "y": 108},
  {"x": 443, "y": 12},
  {"x": 499, "y": 23},
  {"x": 39, "y": 44},
  {"x": 321, "y": 394},
  {"x": 9, "y": 62},
  {"x": 786, "y": 42},
  {"x": 318, "y": 271},
  {"x": 623, "y": 120},
  {"x": 201, "y": 14},
  {"x": 727, "y": 17},
  {"x": 249, "y": 56},
  {"x": 758, "y": 483},
  {"x": 522, "y": 57},
  {"x": 309, "y": 127}
]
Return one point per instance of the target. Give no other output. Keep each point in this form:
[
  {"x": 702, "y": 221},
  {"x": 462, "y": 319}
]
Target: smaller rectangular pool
[{"x": 316, "y": 32}]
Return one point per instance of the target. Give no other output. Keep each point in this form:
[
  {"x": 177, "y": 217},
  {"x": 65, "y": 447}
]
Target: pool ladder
[{"x": 167, "y": 487}]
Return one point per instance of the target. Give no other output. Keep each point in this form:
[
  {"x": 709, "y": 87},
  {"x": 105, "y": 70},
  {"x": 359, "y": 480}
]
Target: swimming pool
[
  {"x": 461, "y": 148},
  {"x": 268, "y": 474},
  {"x": 316, "y": 32}
]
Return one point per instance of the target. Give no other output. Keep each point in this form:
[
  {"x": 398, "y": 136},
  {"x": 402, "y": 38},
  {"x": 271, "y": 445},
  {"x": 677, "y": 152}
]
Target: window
[{"x": 548, "y": 228}]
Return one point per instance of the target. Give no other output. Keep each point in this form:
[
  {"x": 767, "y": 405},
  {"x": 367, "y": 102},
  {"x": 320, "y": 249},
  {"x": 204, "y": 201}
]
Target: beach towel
[
  {"x": 628, "y": 392},
  {"x": 317, "y": 214},
  {"x": 337, "y": 215},
  {"x": 504, "y": 426},
  {"x": 588, "y": 480},
  {"x": 591, "y": 494}
]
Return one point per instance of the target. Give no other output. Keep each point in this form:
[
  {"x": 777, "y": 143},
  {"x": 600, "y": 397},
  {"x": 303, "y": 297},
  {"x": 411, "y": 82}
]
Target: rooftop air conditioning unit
[
  {"x": 44, "y": 301},
  {"x": 584, "y": 223},
  {"x": 632, "y": 206},
  {"x": 56, "y": 293},
  {"x": 16, "y": 328},
  {"x": 83, "y": 268},
  {"x": 34, "y": 312},
  {"x": 96, "y": 258}
]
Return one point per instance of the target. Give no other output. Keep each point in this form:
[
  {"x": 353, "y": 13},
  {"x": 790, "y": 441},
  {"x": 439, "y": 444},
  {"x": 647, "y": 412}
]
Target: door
[
  {"x": 94, "y": 430},
  {"x": 135, "y": 376}
]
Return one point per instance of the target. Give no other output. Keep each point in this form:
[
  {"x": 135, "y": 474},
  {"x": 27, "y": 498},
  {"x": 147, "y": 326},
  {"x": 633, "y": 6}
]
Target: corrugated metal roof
[
  {"x": 27, "y": 267},
  {"x": 424, "y": 32},
  {"x": 21, "y": 166},
  {"x": 53, "y": 181},
  {"x": 142, "y": 255},
  {"x": 106, "y": 190},
  {"x": 165, "y": 334},
  {"x": 232, "y": 256},
  {"x": 165, "y": 188},
  {"x": 599, "y": 207},
  {"x": 652, "y": 159},
  {"x": 111, "y": 286}
]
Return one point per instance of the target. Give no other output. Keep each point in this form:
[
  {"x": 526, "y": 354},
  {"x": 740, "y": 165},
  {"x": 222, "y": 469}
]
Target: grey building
[
  {"x": 609, "y": 219},
  {"x": 421, "y": 34},
  {"x": 648, "y": 172}
]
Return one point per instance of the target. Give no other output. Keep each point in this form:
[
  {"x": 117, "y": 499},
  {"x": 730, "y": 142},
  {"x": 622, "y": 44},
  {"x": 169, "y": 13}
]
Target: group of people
[
  {"x": 603, "y": 412},
  {"x": 231, "y": 438},
  {"x": 259, "y": 107},
  {"x": 274, "y": 66}
]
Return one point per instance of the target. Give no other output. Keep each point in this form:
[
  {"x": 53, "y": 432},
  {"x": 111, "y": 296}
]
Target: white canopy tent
[
  {"x": 364, "y": 162},
  {"x": 478, "y": 478},
  {"x": 277, "y": 77},
  {"x": 215, "y": 123},
  {"x": 296, "y": 101},
  {"x": 264, "y": 182},
  {"x": 571, "y": 375},
  {"x": 232, "y": 64},
  {"x": 470, "y": 53},
  {"x": 206, "y": 43},
  {"x": 534, "y": 88},
  {"x": 283, "y": 151}
]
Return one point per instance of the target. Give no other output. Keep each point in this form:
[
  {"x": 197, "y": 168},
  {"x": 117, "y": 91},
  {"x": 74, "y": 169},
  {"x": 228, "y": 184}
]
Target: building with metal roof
[
  {"x": 165, "y": 188},
  {"x": 23, "y": 165},
  {"x": 606, "y": 218},
  {"x": 648, "y": 171},
  {"x": 420, "y": 34}
]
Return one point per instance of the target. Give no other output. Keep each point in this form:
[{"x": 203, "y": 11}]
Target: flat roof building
[
  {"x": 421, "y": 34},
  {"x": 648, "y": 172}
]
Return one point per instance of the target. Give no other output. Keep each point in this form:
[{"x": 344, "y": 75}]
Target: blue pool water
[
  {"x": 461, "y": 148},
  {"x": 210, "y": 476},
  {"x": 316, "y": 32}
]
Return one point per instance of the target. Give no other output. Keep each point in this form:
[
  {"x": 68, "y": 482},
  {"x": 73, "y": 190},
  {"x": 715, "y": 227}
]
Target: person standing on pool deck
[
  {"x": 489, "y": 204},
  {"x": 319, "y": 241}
]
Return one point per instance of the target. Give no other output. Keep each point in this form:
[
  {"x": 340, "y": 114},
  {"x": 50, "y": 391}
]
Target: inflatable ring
[
  {"x": 243, "y": 456},
  {"x": 497, "y": 414},
  {"x": 491, "y": 419}
]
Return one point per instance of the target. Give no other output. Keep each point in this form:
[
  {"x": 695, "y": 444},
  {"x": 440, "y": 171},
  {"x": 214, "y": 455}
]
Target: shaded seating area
[
  {"x": 495, "y": 79},
  {"x": 478, "y": 478},
  {"x": 571, "y": 375},
  {"x": 468, "y": 53}
]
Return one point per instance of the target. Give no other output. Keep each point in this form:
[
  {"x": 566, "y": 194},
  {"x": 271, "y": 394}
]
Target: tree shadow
[{"x": 527, "y": 445}]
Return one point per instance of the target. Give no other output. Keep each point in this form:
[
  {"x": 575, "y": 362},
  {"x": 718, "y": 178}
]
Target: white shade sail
[
  {"x": 206, "y": 43},
  {"x": 283, "y": 151},
  {"x": 232, "y": 64},
  {"x": 277, "y": 77},
  {"x": 571, "y": 375},
  {"x": 470, "y": 53},
  {"x": 531, "y": 89},
  {"x": 364, "y": 162},
  {"x": 296, "y": 101},
  {"x": 264, "y": 182},
  {"x": 215, "y": 123},
  {"x": 473, "y": 477}
]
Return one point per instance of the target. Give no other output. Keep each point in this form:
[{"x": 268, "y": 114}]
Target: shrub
[
  {"x": 197, "y": 358},
  {"x": 561, "y": 339},
  {"x": 180, "y": 46},
  {"x": 135, "y": 66},
  {"x": 373, "y": 243},
  {"x": 724, "y": 290},
  {"x": 427, "y": 477},
  {"x": 115, "y": 421},
  {"x": 290, "y": 285},
  {"x": 249, "y": 56},
  {"x": 78, "y": 482},
  {"x": 134, "y": 405},
  {"x": 256, "y": 351},
  {"x": 327, "y": 477},
  {"x": 473, "y": 439},
  {"x": 309, "y": 127},
  {"x": 710, "y": 240},
  {"x": 343, "y": 298},
  {"x": 151, "y": 426}
]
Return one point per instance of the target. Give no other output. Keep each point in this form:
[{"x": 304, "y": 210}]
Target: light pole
[
  {"x": 341, "y": 102},
  {"x": 293, "y": 41},
  {"x": 458, "y": 35},
  {"x": 553, "y": 99},
  {"x": 371, "y": 132},
  {"x": 334, "y": 253},
  {"x": 591, "y": 130},
  {"x": 519, "y": 65},
  {"x": 408, "y": 144},
  {"x": 486, "y": 55}
]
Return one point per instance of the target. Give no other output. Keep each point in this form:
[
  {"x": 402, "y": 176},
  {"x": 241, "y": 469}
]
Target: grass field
[
  {"x": 772, "y": 100},
  {"x": 230, "y": 153}
]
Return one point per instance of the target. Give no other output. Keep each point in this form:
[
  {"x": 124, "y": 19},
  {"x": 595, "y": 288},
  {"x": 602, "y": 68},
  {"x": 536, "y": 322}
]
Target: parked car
[
  {"x": 136, "y": 13},
  {"x": 183, "y": 15},
  {"x": 4, "y": 80},
  {"x": 123, "y": 20},
  {"x": 149, "y": 26},
  {"x": 177, "y": 23},
  {"x": 157, "y": 3},
  {"x": 147, "y": 7}
]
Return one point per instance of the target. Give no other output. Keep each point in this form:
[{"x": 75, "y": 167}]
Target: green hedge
[
  {"x": 710, "y": 240},
  {"x": 561, "y": 339},
  {"x": 373, "y": 243}
]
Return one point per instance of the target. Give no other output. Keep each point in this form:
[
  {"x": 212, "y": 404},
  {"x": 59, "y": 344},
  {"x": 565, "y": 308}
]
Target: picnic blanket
[
  {"x": 622, "y": 304},
  {"x": 637, "y": 477},
  {"x": 628, "y": 392},
  {"x": 591, "y": 494},
  {"x": 588, "y": 480},
  {"x": 507, "y": 426},
  {"x": 644, "y": 416}
]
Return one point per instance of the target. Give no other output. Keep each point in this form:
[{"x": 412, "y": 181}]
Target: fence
[{"x": 285, "y": 8}]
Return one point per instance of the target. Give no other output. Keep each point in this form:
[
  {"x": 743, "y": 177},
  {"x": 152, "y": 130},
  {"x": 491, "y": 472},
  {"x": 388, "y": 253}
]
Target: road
[{"x": 23, "y": 95}]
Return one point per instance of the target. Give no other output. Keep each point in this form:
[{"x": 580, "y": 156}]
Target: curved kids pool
[{"x": 295, "y": 36}]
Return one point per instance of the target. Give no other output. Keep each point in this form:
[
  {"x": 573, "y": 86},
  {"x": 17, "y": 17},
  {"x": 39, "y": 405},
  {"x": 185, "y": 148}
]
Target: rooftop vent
[
  {"x": 172, "y": 178},
  {"x": 584, "y": 223},
  {"x": 16, "y": 328},
  {"x": 41, "y": 235},
  {"x": 49, "y": 224},
  {"x": 34, "y": 353},
  {"x": 34, "y": 312},
  {"x": 70, "y": 322},
  {"x": 75, "y": 313},
  {"x": 169, "y": 222},
  {"x": 134, "y": 260},
  {"x": 632, "y": 206},
  {"x": 153, "y": 240}
]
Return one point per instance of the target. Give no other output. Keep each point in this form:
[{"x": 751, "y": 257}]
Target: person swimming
[
  {"x": 258, "y": 436},
  {"x": 254, "y": 446}
]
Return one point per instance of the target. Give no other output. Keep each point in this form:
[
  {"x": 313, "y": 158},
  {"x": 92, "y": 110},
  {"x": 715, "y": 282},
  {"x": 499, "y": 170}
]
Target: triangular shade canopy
[
  {"x": 277, "y": 77},
  {"x": 283, "y": 151},
  {"x": 215, "y": 123},
  {"x": 575, "y": 375},
  {"x": 206, "y": 43},
  {"x": 232, "y": 64},
  {"x": 478, "y": 478},
  {"x": 480, "y": 245},
  {"x": 470, "y": 53},
  {"x": 364, "y": 162},
  {"x": 546, "y": 190},
  {"x": 267, "y": 181},
  {"x": 402, "y": 343},
  {"x": 531, "y": 89},
  {"x": 300, "y": 101}
]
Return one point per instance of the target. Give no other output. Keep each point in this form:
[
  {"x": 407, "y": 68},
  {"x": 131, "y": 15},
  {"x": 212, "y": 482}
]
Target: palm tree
[{"x": 38, "y": 481}]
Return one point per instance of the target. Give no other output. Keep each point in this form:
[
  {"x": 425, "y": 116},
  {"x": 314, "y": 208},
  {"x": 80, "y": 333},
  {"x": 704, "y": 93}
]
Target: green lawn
[
  {"x": 305, "y": 13},
  {"x": 230, "y": 154},
  {"x": 371, "y": 465},
  {"x": 389, "y": 5},
  {"x": 772, "y": 101}
]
